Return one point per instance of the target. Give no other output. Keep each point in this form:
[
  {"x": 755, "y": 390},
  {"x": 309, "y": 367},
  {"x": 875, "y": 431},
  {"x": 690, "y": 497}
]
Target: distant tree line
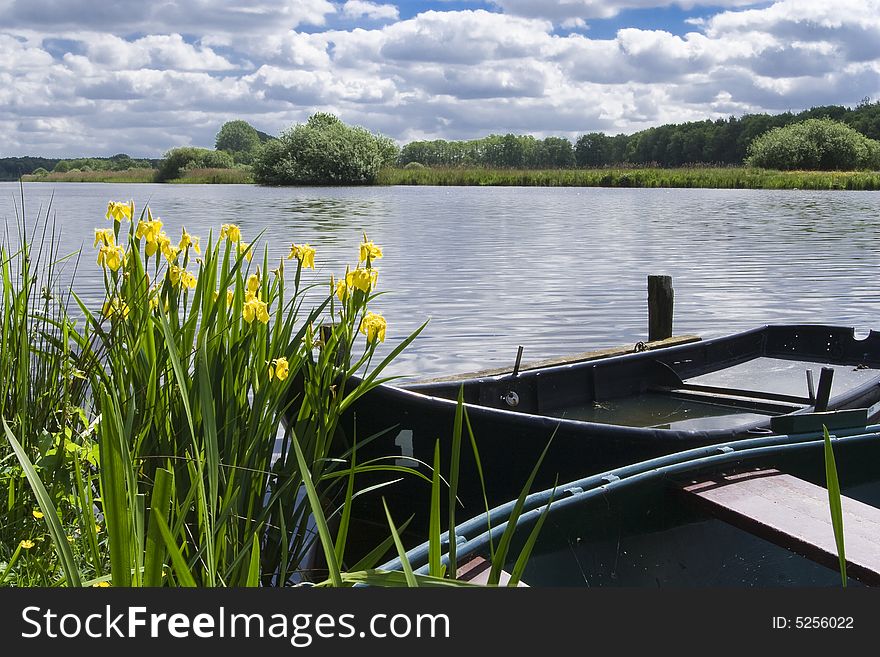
[
  {"x": 721, "y": 142},
  {"x": 13, "y": 167},
  {"x": 324, "y": 150},
  {"x": 504, "y": 151}
]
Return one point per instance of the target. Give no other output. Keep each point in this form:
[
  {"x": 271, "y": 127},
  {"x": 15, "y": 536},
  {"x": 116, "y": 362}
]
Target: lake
[{"x": 557, "y": 270}]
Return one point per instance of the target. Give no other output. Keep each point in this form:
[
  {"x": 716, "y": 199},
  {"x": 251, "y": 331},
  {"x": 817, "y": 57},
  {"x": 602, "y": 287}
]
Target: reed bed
[
  {"x": 237, "y": 176},
  {"x": 125, "y": 176},
  {"x": 700, "y": 177},
  {"x": 184, "y": 434}
]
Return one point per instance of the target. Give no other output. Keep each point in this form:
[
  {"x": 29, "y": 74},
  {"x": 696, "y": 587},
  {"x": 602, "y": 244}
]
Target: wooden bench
[
  {"x": 476, "y": 571},
  {"x": 794, "y": 514}
]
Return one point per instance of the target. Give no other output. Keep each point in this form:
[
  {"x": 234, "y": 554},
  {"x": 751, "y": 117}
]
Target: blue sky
[{"x": 80, "y": 77}]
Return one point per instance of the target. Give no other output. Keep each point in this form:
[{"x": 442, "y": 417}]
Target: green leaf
[
  {"x": 318, "y": 515},
  {"x": 50, "y": 514},
  {"x": 834, "y": 503},
  {"x": 160, "y": 502},
  {"x": 407, "y": 567},
  {"x": 181, "y": 569}
]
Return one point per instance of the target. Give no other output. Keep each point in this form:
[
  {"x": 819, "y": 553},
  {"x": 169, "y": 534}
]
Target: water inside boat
[
  {"x": 758, "y": 389},
  {"x": 659, "y": 541}
]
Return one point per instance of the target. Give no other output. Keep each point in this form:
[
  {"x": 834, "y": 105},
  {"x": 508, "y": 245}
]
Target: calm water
[{"x": 555, "y": 270}]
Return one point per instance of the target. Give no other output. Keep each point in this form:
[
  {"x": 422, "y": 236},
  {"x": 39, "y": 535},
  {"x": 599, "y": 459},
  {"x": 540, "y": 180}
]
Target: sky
[{"x": 79, "y": 77}]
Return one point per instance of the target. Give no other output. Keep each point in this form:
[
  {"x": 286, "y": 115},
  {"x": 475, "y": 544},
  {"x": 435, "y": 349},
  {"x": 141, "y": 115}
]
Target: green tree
[
  {"x": 322, "y": 151},
  {"x": 177, "y": 160},
  {"x": 240, "y": 139},
  {"x": 814, "y": 144}
]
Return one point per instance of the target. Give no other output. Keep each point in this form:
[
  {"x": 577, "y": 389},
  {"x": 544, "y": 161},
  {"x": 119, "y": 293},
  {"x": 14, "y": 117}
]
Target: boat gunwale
[
  {"x": 581, "y": 490},
  {"x": 844, "y": 400}
]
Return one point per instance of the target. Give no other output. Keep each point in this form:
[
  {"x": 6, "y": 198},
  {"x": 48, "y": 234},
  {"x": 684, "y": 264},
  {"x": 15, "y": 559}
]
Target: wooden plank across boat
[
  {"x": 606, "y": 409},
  {"x": 795, "y": 514}
]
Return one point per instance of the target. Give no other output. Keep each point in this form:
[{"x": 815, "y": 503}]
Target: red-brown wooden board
[{"x": 795, "y": 514}]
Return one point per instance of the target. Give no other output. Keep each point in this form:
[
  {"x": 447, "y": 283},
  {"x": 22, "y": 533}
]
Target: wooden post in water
[{"x": 660, "y": 302}]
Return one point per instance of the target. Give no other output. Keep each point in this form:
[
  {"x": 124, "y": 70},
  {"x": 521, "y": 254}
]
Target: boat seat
[
  {"x": 795, "y": 514},
  {"x": 761, "y": 402}
]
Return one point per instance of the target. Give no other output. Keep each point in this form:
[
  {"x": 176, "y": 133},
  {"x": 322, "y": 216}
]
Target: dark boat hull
[
  {"x": 510, "y": 442},
  {"x": 634, "y": 526}
]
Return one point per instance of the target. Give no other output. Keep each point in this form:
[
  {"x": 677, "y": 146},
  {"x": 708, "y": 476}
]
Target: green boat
[{"x": 751, "y": 513}]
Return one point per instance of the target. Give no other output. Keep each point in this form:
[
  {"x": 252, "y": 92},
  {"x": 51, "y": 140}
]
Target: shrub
[
  {"x": 40, "y": 171},
  {"x": 323, "y": 151},
  {"x": 185, "y": 158},
  {"x": 814, "y": 144},
  {"x": 240, "y": 139}
]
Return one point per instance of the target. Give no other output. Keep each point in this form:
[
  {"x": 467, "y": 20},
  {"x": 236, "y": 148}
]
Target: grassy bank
[
  {"x": 125, "y": 176},
  {"x": 216, "y": 176},
  {"x": 721, "y": 177},
  {"x": 705, "y": 177},
  {"x": 194, "y": 176}
]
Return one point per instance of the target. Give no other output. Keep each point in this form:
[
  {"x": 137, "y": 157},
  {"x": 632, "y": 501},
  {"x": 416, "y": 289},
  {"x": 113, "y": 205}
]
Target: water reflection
[{"x": 555, "y": 270}]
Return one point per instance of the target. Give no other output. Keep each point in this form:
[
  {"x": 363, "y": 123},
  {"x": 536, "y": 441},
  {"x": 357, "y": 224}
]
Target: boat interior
[{"x": 714, "y": 384}]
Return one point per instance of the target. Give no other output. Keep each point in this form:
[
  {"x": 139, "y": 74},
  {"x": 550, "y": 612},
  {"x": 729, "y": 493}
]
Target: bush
[
  {"x": 409, "y": 166},
  {"x": 240, "y": 139},
  {"x": 187, "y": 158},
  {"x": 323, "y": 151},
  {"x": 40, "y": 171},
  {"x": 814, "y": 144}
]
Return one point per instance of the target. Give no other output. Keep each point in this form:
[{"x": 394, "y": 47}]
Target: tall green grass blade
[
  {"x": 160, "y": 503},
  {"x": 50, "y": 514},
  {"x": 526, "y": 552},
  {"x": 253, "y": 576},
  {"x": 454, "y": 467},
  {"x": 318, "y": 515},
  {"x": 118, "y": 508},
  {"x": 399, "y": 579},
  {"x": 375, "y": 555},
  {"x": 181, "y": 568},
  {"x": 401, "y": 552},
  {"x": 209, "y": 428},
  {"x": 179, "y": 372},
  {"x": 500, "y": 555},
  {"x": 435, "y": 551},
  {"x": 833, "y": 485}
]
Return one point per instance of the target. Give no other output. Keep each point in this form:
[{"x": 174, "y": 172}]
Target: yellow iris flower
[
  {"x": 37, "y": 514},
  {"x": 26, "y": 544},
  {"x": 187, "y": 240},
  {"x": 181, "y": 277},
  {"x": 369, "y": 251},
  {"x": 255, "y": 309},
  {"x": 115, "y": 308},
  {"x": 279, "y": 369},
  {"x": 149, "y": 230},
  {"x": 243, "y": 248},
  {"x": 362, "y": 279},
  {"x": 341, "y": 290},
  {"x": 373, "y": 326},
  {"x": 104, "y": 236},
  {"x": 304, "y": 253},
  {"x": 230, "y": 231},
  {"x": 112, "y": 257},
  {"x": 119, "y": 211}
]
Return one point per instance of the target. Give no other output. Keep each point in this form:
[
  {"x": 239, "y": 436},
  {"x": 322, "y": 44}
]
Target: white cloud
[
  {"x": 564, "y": 11},
  {"x": 170, "y": 16},
  {"x": 371, "y": 10},
  {"x": 130, "y": 81},
  {"x": 154, "y": 51}
]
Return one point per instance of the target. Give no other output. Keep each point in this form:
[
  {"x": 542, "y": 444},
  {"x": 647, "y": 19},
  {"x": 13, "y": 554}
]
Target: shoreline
[{"x": 622, "y": 177}]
